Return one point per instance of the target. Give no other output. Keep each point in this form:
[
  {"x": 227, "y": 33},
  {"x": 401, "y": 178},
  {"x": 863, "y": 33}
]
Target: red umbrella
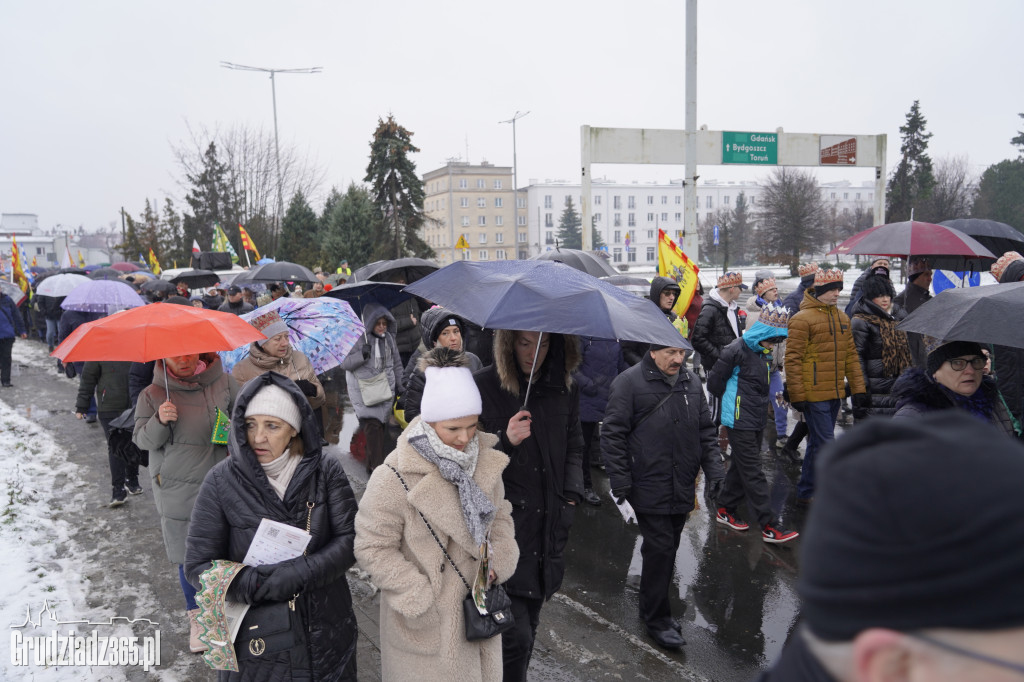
[
  {"x": 155, "y": 331},
  {"x": 913, "y": 238},
  {"x": 125, "y": 266}
]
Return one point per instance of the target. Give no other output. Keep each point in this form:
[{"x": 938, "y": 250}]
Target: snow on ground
[{"x": 40, "y": 561}]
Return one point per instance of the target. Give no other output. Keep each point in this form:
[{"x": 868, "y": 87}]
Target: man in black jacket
[
  {"x": 544, "y": 479},
  {"x": 719, "y": 323},
  {"x": 657, "y": 435},
  {"x": 1007, "y": 361},
  {"x": 913, "y": 296}
]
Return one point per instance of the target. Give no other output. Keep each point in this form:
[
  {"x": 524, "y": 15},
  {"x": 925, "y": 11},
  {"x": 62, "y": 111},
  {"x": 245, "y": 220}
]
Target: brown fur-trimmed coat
[
  {"x": 294, "y": 365},
  {"x": 422, "y": 632}
]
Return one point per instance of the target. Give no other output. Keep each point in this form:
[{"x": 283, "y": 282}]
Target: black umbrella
[
  {"x": 631, "y": 283},
  {"x": 105, "y": 273},
  {"x": 279, "y": 271},
  {"x": 409, "y": 269},
  {"x": 161, "y": 286},
  {"x": 197, "y": 278},
  {"x": 995, "y": 236},
  {"x": 590, "y": 262},
  {"x": 988, "y": 314},
  {"x": 358, "y": 294}
]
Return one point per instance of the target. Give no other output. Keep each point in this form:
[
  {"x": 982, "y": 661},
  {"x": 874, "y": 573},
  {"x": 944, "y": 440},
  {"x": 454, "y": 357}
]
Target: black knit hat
[
  {"x": 940, "y": 352},
  {"x": 917, "y": 524},
  {"x": 877, "y": 285}
]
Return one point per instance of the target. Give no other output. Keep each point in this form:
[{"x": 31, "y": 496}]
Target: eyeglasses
[
  {"x": 967, "y": 653},
  {"x": 960, "y": 364}
]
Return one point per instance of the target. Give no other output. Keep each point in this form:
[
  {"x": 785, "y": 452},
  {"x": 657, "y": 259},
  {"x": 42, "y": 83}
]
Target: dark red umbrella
[
  {"x": 125, "y": 266},
  {"x": 915, "y": 238}
]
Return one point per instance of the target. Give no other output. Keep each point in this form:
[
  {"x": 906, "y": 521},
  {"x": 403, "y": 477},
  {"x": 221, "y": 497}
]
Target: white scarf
[
  {"x": 280, "y": 471},
  {"x": 730, "y": 312}
]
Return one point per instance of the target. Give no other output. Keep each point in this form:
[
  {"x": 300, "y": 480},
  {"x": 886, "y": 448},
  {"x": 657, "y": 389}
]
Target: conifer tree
[{"x": 912, "y": 182}]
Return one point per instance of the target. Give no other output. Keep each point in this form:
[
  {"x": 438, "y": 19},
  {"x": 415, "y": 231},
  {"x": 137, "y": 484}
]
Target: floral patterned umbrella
[{"x": 324, "y": 329}]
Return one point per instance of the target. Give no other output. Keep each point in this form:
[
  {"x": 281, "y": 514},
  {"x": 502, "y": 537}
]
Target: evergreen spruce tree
[
  {"x": 210, "y": 202},
  {"x": 299, "y": 241},
  {"x": 351, "y": 229},
  {"x": 570, "y": 233},
  {"x": 397, "y": 192},
  {"x": 912, "y": 181}
]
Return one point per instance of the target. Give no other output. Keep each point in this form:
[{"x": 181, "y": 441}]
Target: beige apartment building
[{"x": 474, "y": 204}]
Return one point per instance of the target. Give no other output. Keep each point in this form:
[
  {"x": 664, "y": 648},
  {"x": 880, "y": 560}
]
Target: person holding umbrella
[
  {"x": 531, "y": 403},
  {"x": 275, "y": 353},
  {"x": 913, "y": 296},
  {"x": 11, "y": 326},
  {"x": 182, "y": 419},
  {"x": 883, "y": 349},
  {"x": 1008, "y": 362}
]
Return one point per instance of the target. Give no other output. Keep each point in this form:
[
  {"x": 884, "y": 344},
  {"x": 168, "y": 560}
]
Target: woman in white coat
[{"x": 453, "y": 475}]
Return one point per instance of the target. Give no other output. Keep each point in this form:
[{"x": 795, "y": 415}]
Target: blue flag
[{"x": 948, "y": 279}]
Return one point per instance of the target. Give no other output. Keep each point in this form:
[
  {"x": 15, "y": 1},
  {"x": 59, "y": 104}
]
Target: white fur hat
[
  {"x": 450, "y": 393},
  {"x": 274, "y": 401}
]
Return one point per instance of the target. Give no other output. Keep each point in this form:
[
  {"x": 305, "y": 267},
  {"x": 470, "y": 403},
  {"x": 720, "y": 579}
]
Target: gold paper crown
[
  {"x": 832, "y": 276},
  {"x": 765, "y": 285},
  {"x": 1004, "y": 260},
  {"x": 774, "y": 317},
  {"x": 730, "y": 279},
  {"x": 807, "y": 269}
]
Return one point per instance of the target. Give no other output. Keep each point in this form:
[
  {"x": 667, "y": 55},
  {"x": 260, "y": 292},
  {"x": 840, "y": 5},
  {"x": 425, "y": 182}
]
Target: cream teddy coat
[{"x": 422, "y": 633}]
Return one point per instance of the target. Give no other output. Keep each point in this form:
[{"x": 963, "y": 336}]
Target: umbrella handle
[{"x": 536, "y": 352}]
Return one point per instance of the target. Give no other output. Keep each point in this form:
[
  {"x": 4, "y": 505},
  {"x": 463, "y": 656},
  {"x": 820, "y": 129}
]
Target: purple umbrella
[{"x": 102, "y": 296}]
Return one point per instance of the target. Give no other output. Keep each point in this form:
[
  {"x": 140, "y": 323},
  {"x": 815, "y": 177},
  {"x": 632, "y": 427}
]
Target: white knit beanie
[
  {"x": 274, "y": 401},
  {"x": 450, "y": 393}
]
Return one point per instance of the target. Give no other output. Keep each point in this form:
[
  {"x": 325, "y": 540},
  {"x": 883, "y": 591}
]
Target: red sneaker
[
  {"x": 727, "y": 519},
  {"x": 777, "y": 535}
]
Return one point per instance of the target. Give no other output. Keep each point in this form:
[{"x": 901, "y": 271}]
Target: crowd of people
[{"x": 496, "y": 455}]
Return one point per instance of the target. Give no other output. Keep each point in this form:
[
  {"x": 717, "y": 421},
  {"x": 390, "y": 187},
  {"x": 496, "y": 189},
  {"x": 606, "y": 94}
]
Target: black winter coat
[
  {"x": 1008, "y": 368},
  {"x": 907, "y": 301},
  {"x": 745, "y": 401},
  {"x": 795, "y": 298},
  {"x": 545, "y": 471},
  {"x": 139, "y": 376},
  {"x": 236, "y": 496},
  {"x": 602, "y": 362},
  {"x": 917, "y": 394},
  {"x": 713, "y": 332},
  {"x": 109, "y": 381},
  {"x": 867, "y": 337},
  {"x": 658, "y": 462}
]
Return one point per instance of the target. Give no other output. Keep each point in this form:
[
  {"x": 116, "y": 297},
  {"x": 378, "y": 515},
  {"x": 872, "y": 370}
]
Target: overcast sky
[{"x": 94, "y": 94}]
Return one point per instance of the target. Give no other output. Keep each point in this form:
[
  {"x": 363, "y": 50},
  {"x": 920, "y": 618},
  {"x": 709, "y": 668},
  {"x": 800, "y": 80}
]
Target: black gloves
[
  {"x": 785, "y": 392},
  {"x": 287, "y": 579},
  {"x": 799, "y": 405},
  {"x": 714, "y": 489},
  {"x": 620, "y": 494},
  {"x": 366, "y": 351},
  {"x": 308, "y": 388},
  {"x": 245, "y": 585},
  {"x": 861, "y": 404}
]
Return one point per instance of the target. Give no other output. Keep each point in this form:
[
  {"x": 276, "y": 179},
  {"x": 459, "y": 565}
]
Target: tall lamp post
[
  {"x": 277, "y": 146},
  {"x": 515, "y": 178}
]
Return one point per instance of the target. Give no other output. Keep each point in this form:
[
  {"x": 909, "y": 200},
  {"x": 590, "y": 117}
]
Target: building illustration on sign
[{"x": 838, "y": 150}]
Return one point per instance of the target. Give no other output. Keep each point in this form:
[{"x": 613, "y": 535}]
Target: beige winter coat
[
  {"x": 422, "y": 633},
  {"x": 294, "y": 365}
]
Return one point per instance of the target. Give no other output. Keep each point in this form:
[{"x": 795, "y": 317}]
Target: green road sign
[{"x": 755, "y": 148}]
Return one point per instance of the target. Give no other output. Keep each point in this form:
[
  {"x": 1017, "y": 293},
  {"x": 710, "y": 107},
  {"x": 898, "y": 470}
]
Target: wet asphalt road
[{"x": 733, "y": 593}]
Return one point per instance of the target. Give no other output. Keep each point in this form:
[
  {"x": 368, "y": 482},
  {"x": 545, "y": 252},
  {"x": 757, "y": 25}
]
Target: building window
[
  {"x": 632, "y": 219},
  {"x": 597, "y": 200},
  {"x": 498, "y": 202},
  {"x": 678, "y": 217},
  {"x": 679, "y": 199},
  {"x": 465, "y": 221},
  {"x": 497, "y": 184},
  {"x": 753, "y": 201},
  {"x": 521, "y": 202},
  {"x": 481, "y": 202},
  {"x": 664, "y": 217},
  {"x": 483, "y": 237},
  {"x": 650, "y": 234},
  {"x": 481, "y": 184},
  {"x": 523, "y": 255},
  {"x": 650, "y": 199},
  {"x": 499, "y": 220},
  {"x": 463, "y": 183},
  {"x": 547, "y": 201},
  {"x": 631, "y": 201},
  {"x": 597, "y": 217},
  {"x": 481, "y": 220},
  {"x": 631, "y": 256},
  {"x": 846, "y": 196},
  {"x": 616, "y": 202},
  {"x": 548, "y": 220},
  {"x": 499, "y": 238},
  {"x": 664, "y": 199},
  {"x": 522, "y": 238},
  {"x": 650, "y": 254},
  {"x": 617, "y": 255},
  {"x": 482, "y": 254},
  {"x": 617, "y": 236},
  {"x": 465, "y": 254},
  {"x": 858, "y": 196},
  {"x": 499, "y": 254},
  {"x": 708, "y": 203},
  {"x": 548, "y": 238},
  {"x": 617, "y": 220},
  {"x": 832, "y": 196},
  {"x": 520, "y": 220},
  {"x": 464, "y": 202},
  {"x": 650, "y": 217},
  {"x": 725, "y": 200}
]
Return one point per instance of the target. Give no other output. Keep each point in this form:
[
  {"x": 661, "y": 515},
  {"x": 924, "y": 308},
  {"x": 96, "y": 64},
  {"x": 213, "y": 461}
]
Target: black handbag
[
  {"x": 498, "y": 617},
  {"x": 266, "y": 629},
  {"x": 120, "y": 439}
]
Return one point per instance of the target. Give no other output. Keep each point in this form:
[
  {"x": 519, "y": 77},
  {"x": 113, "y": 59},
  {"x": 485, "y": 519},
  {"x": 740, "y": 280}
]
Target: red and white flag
[{"x": 195, "y": 247}]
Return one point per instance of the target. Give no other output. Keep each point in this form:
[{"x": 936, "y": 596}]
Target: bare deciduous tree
[
  {"x": 793, "y": 217},
  {"x": 954, "y": 190}
]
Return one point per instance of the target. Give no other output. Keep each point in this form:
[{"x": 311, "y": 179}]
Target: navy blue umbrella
[
  {"x": 545, "y": 296},
  {"x": 358, "y": 294}
]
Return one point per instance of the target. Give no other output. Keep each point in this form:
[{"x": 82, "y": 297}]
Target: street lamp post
[
  {"x": 515, "y": 178},
  {"x": 277, "y": 146}
]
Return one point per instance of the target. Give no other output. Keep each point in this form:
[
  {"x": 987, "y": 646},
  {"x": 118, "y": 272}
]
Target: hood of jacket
[
  {"x": 562, "y": 360},
  {"x": 811, "y": 302},
  {"x": 435, "y": 320},
  {"x": 243, "y": 458},
  {"x": 197, "y": 382},
  {"x": 758, "y": 332},
  {"x": 865, "y": 307},
  {"x": 373, "y": 312},
  {"x": 265, "y": 360},
  {"x": 658, "y": 284}
]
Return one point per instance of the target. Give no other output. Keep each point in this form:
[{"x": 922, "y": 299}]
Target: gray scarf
[{"x": 477, "y": 509}]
